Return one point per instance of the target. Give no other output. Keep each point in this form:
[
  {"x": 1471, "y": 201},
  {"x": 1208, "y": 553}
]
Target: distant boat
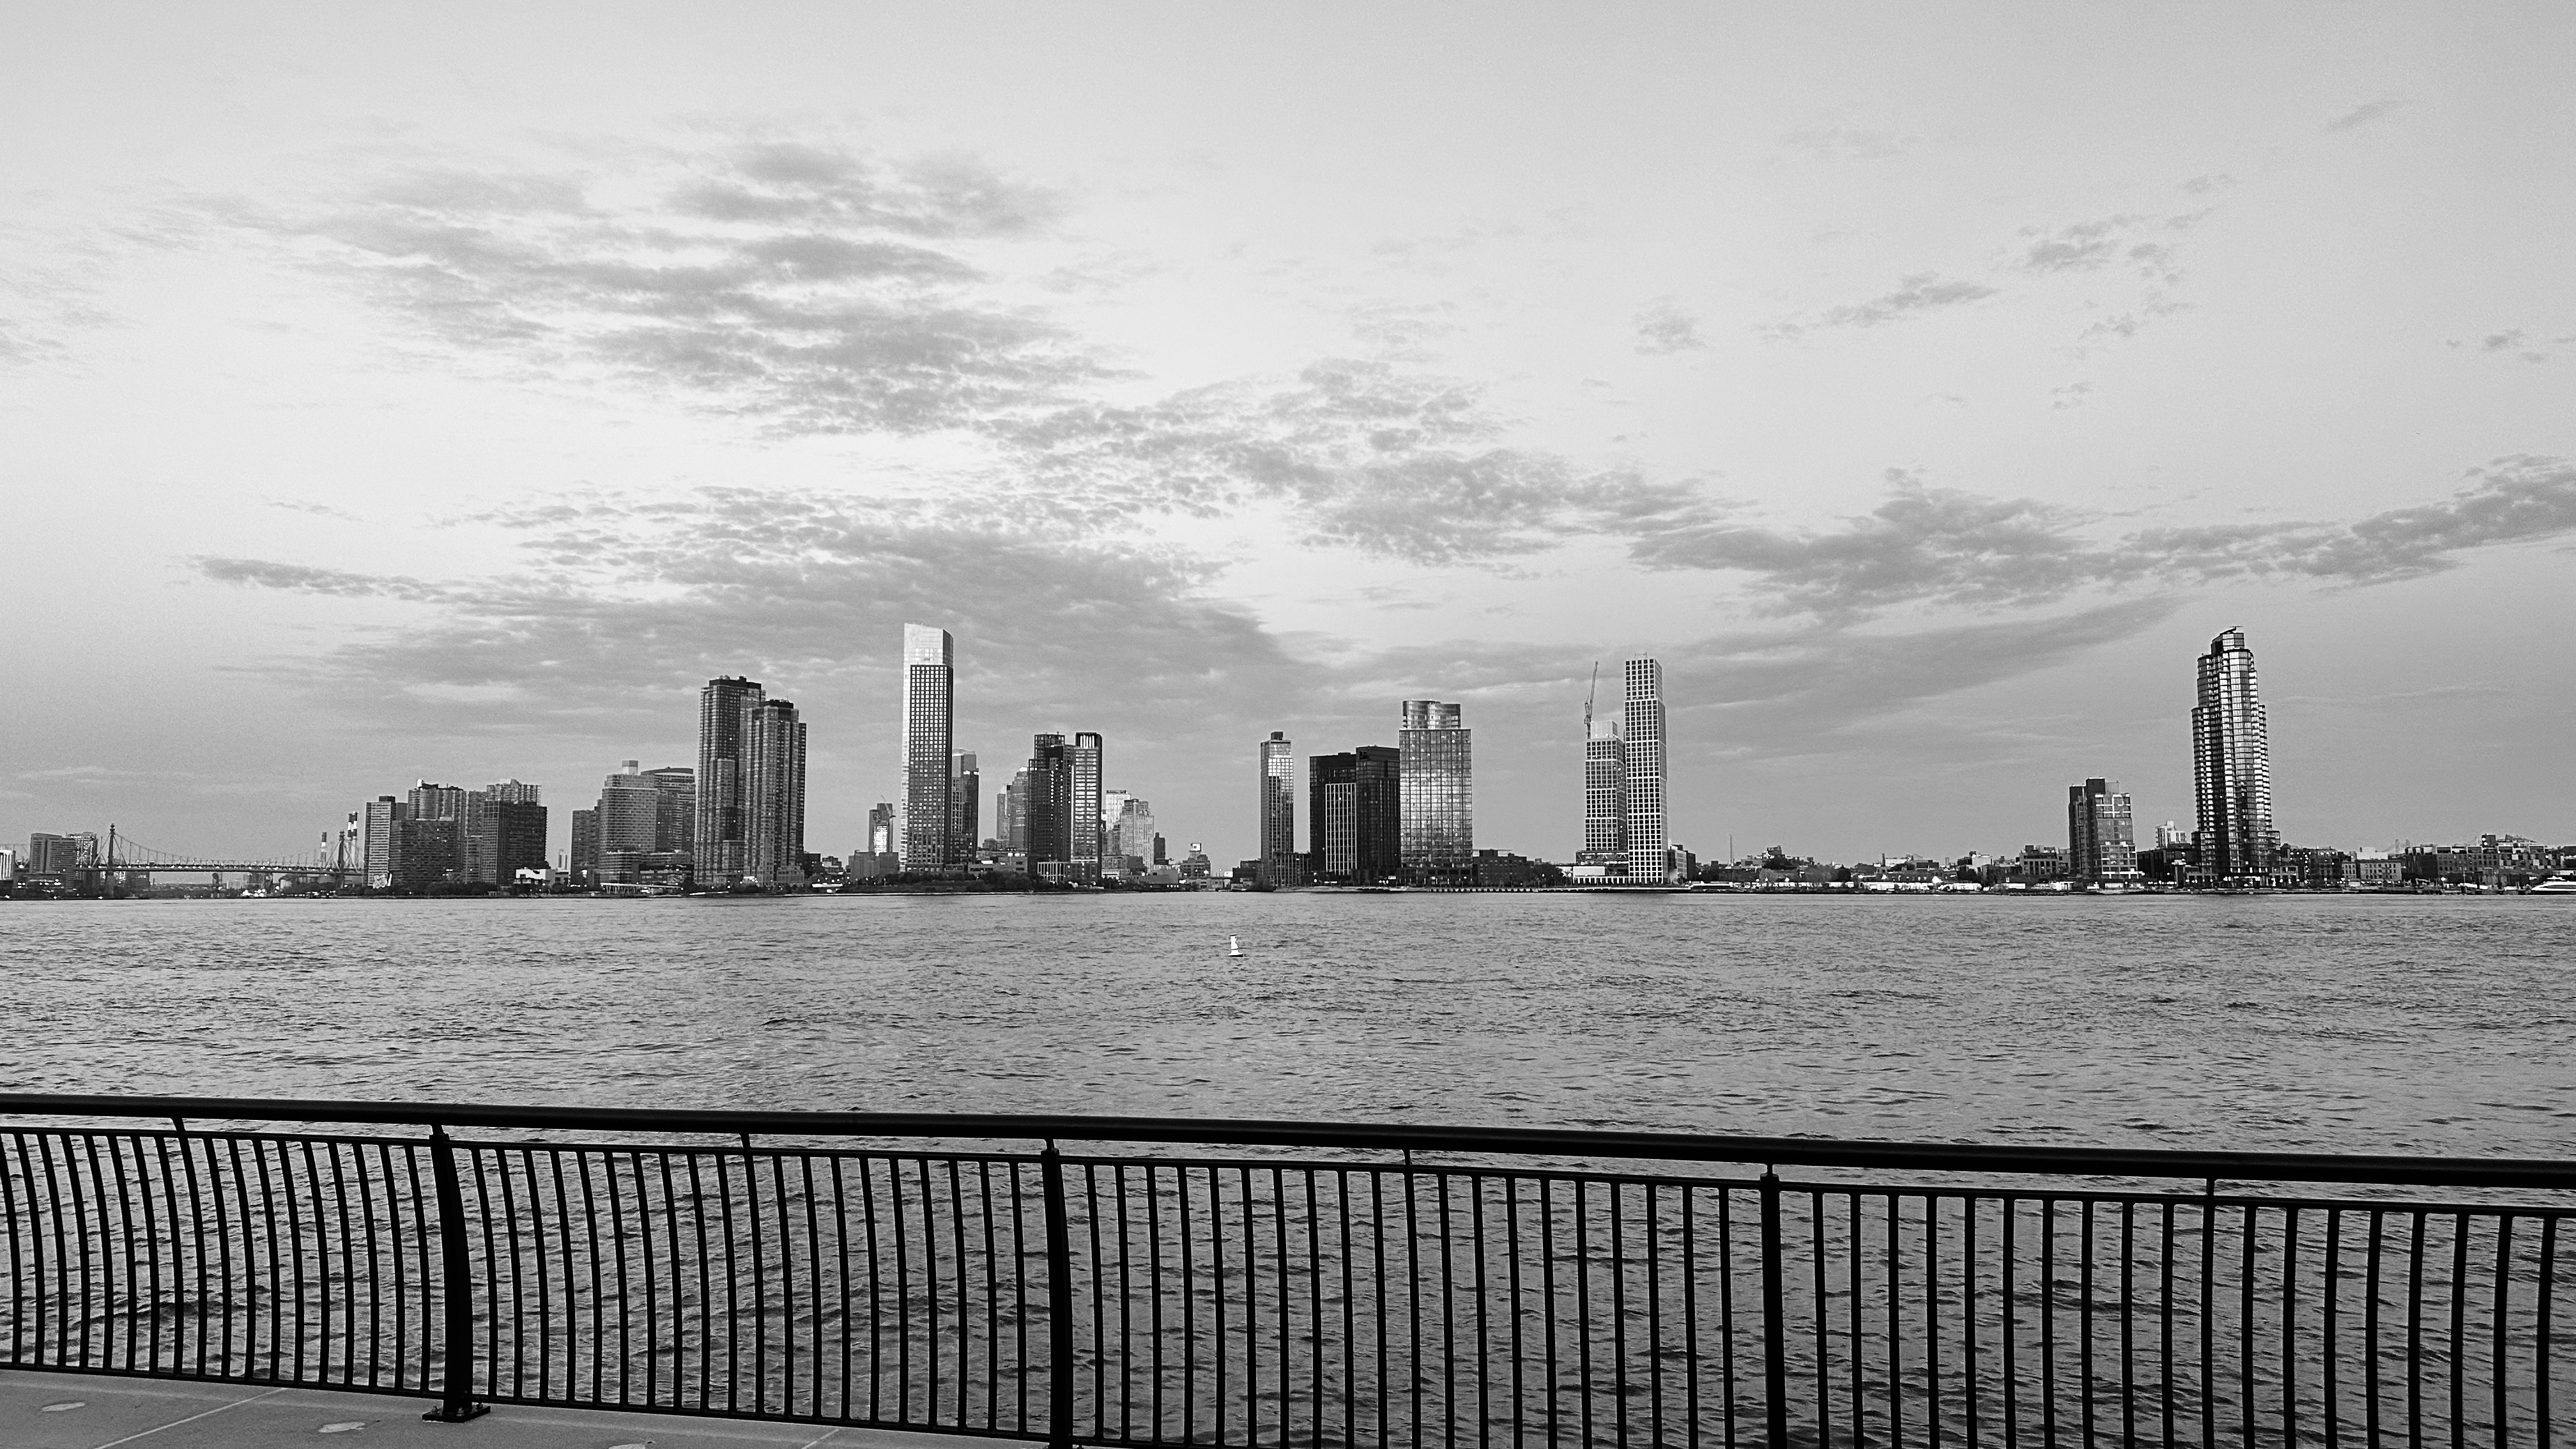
[
  {"x": 1234, "y": 945},
  {"x": 2561, "y": 884}
]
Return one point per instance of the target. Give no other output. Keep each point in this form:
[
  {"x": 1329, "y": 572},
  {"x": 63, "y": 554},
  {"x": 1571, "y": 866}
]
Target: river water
[{"x": 2383, "y": 1024}]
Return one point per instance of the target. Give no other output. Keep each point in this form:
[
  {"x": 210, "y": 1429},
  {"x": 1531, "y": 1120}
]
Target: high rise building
[
  {"x": 965, "y": 797},
  {"x": 2101, "y": 845},
  {"x": 774, "y": 797},
  {"x": 51, "y": 854},
  {"x": 929, "y": 729},
  {"x": 1642, "y": 723},
  {"x": 1132, "y": 836},
  {"x": 517, "y": 831},
  {"x": 1354, "y": 815},
  {"x": 583, "y": 862},
  {"x": 1083, "y": 825},
  {"x": 381, "y": 815},
  {"x": 1605, "y": 794},
  {"x": 1047, "y": 799},
  {"x": 1011, "y": 817},
  {"x": 722, "y": 850},
  {"x": 1437, "y": 796},
  {"x": 2231, "y": 749},
  {"x": 630, "y": 811},
  {"x": 1276, "y": 865}
]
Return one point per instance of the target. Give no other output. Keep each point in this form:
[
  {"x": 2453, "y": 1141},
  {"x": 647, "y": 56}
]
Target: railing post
[
  {"x": 1775, "y": 1331},
  {"x": 1059, "y": 1252},
  {"x": 456, "y": 1405}
]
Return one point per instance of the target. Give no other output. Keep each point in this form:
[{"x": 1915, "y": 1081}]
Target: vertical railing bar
[
  {"x": 1824, "y": 1319},
  {"x": 1449, "y": 1321},
  {"x": 2128, "y": 1324},
  {"x": 1413, "y": 1290},
  {"x": 1189, "y": 1305},
  {"x": 1099, "y": 1294},
  {"x": 876, "y": 1290},
  {"x": 1019, "y": 1292},
  {"x": 846, "y": 1264},
  {"x": 19, "y": 1315},
  {"x": 2503, "y": 1315},
  {"x": 393, "y": 1251},
  {"x": 422, "y": 1201},
  {"x": 1690, "y": 1322},
  {"x": 2415, "y": 1334},
  {"x": 2084, "y": 1272},
  {"x": 349, "y": 1259},
  {"x": 1154, "y": 1289},
  {"x": 1726, "y": 1304},
  {"x": 456, "y": 1356},
  {"x": 610, "y": 1172},
  {"x": 2165, "y": 1315},
  {"x": 375, "y": 1268},
  {"x": 1547, "y": 1294},
  {"x": 249, "y": 1267},
  {"x": 1251, "y": 1318},
  {"x": 321, "y": 1266},
  {"x": 57, "y": 1293},
  {"x": 1775, "y": 1328},
  {"x": 1314, "y": 1319},
  {"x": 1126, "y": 1307},
  {"x": 2048, "y": 1322},
  {"x": 1855, "y": 1253},
  {"x": 1350, "y": 1307},
  {"x": 2329, "y": 1324},
  {"x": 2009, "y": 1276},
  {"x": 572, "y": 1287},
  {"x": 1059, "y": 1252},
  {"x": 678, "y": 1279},
  {"x": 76, "y": 1314},
  {"x": 277, "y": 1267},
  {"x": 706, "y": 1279},
  {"x": 2370, "y": 1330},
  {"x": 2459, "y": 1329},
  {"x": 1654, "y": 1278},
  {"x": 152, "y": 1226},
  {"x": 2544, "y": 1292},
  {"x": 2289, "y": 1325},
  {"x": 1932, "y": 1319},
  {"x": 1617, "y": 1197},
  {"x": 133, "y": 1267},
  {"x": 751, "y": 1217},
  {"x": 492, "y": 1276},
  {"x": 652, "y": 1283},
  {"x": 201, "y": 1192},
  {"x": 1583, "y": 1376},
  {"x": 902, "y": 1289},
  {"x": 962, "y": 1275},
  {"x": 538, "y": 1270},
  {"x": 1895, "y": 1321},
  {"x": 2250, "y": 1229},
  {"x": 992, "y": 1295}
]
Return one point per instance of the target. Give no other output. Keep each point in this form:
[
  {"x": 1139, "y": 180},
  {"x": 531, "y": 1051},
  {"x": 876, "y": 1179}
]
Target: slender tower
[
  {"x": 1643, "y": 719},
  {"x": 1277, "y": 863},
  {"x": 1605, "y": 790},
  {"x": 1083, "y": 823},
  {"x": 2231, "y": 748},
  {"x": 929, "y": 727},
  {"x": 774, "y": 800},
  {"x": 721, "y": 852}
]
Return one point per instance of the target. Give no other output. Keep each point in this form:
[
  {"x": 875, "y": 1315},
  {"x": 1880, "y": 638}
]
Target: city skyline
[{"x": 1344, "y": 358}]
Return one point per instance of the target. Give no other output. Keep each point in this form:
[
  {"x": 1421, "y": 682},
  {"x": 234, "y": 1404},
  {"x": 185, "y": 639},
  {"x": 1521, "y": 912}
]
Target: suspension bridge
[{"x": 126, "y": 856}]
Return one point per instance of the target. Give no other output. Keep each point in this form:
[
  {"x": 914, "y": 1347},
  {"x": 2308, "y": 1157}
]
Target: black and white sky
[{"x": 445, "y": 391}]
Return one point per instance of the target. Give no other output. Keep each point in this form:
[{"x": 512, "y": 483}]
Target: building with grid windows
[
  {"x": 1046, "y": 803},
  {"x": 1605, "y": 798},
  {"x": 1083, "y": 827},
  {"x": 1641, "y": 719},
  {"x": 2231, "y": 748},
  {"x": 2101, "y": 844},
  {"x": 720, "y": 850},
  {"x": 1353, "y": 814},
  {"x": 1276, "y": 865},
  {"x": 1436, "y": 795},
  {"x": 774, "y": 797},
  {"x": 929, "y": 744}
]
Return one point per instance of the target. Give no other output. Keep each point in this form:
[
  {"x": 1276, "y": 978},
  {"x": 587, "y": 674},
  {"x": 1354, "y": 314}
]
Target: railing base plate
[{"x": 456, "y": 1413}]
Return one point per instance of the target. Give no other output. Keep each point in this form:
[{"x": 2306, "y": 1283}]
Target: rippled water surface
[{"x": 2434, "y": 1024}]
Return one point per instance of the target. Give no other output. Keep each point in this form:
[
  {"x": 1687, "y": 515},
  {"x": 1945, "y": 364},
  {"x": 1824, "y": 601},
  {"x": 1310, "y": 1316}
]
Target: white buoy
[{"x": 1234, "y": 945}]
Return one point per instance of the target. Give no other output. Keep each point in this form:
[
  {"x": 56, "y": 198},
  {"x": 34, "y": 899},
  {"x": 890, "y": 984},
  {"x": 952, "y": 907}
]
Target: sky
[{"x": 447, "y": 391}]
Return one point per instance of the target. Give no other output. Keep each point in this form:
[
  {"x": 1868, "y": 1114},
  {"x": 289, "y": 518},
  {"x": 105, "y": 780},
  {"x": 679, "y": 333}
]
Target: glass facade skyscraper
[
  {"x": 774, "y": 804},
  {"x": 1642, "y": 725},
  {"x": 1083, "y": 827},
  {"x": 1276, "y": 864},
  {"x": 2231, "y": 747},
  {"x": 1048, "y": 799},
  {"x": 929, "y": 729},
  {"x": 721, "y": 852},
  {"x": 1436, "y": 825}
]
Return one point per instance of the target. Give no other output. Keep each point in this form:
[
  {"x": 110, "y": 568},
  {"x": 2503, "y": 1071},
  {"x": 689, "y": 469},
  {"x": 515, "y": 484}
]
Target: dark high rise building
[
  {"x": 1047, "y": 800},
  {"x": 583, "y": 863},
  {"x": 774, "y": 797},
  {"x": 965, "y": 800},
  {"x": 1354, "y": 815},
  {"x": 2231, "y": 747},
  {"x": 1276, "y": 865},
  {"x": 1437, "y": 829},
  {"x": 929, "y": 729},
  {"x": 2101, "y": 847},
  {"x": 1084, "y": 827},
  {"x": 518, "y": 831},
  {"x": 382, "y": 813},
  {"x": 1011, "y": 816},
  {"x": 1642, "y": 725},
  {"x": 722, "y": 852}
]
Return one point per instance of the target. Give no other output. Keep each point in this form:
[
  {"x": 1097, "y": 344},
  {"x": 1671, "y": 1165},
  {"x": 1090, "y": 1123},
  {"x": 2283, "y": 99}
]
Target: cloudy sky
[{"x": 448, "y": 390}]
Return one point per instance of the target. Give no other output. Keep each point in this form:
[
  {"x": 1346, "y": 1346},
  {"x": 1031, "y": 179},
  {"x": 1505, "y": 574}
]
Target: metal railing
[{"x": 1315, "y": 1285}]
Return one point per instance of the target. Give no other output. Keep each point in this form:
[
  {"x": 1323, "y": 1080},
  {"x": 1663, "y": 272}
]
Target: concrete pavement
[{"x": 83, "y": 1411}]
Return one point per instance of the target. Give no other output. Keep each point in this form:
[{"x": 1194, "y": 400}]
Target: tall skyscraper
[
  {"x": 1354, "y": 815},
  {"x": 1084, "y": 827},
  {"x": 1605, "y": 793},
  {"x": 2101, "y": 844},
  {"x": 1642, "y": 721},
  {"x": 381, "y": 815},
  {"x": 2231, "y": 747},
  {"x": 1437, "y": 827},
  {"x": 1011, "y": 818},
  {"x": 1131, "y": 835},
  {"x": 965, "y": 796},
  {"x": 774, "y": 797},
  {"x": 583, "y": 861},
  {"x": 1047, "y": 799},
  {"x": 929, "y": 730},
  {"x": 722, "y": 851},
  {"x": 1276, "y": 865}
]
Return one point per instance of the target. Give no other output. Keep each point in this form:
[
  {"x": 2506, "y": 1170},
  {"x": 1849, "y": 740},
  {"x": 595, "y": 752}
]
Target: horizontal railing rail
[{"x": 1348, "y": 1285}]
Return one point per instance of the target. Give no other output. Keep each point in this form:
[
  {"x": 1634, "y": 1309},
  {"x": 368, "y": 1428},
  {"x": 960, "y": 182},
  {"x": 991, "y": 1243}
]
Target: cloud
[
  {"x": 2204, "y": 185},
  {"x": 304, "y": 579},
  {"x": 1665, "y": 327},
  {"x": 318, "y": 510},
  {"x": 1927, "y": 546},
  {"x": 1843, "y": 143},
  {"x": 1915, "y": 295},
  {"x": 2073, "y": 395},
  {"x": 2365, "y": 113}
]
